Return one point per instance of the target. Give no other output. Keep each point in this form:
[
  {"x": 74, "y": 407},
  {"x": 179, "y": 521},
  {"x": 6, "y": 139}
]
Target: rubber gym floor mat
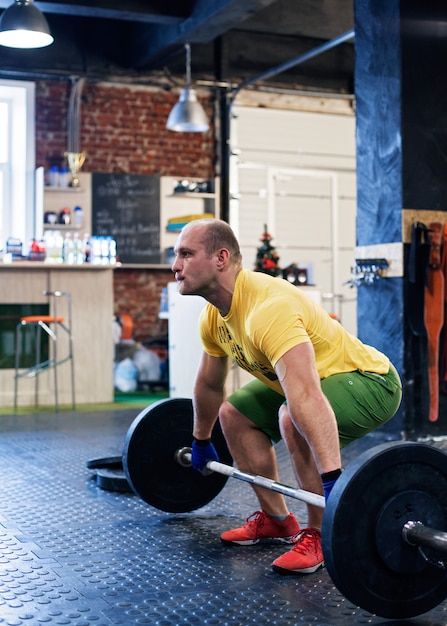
[{"x": 73, "y": 553}]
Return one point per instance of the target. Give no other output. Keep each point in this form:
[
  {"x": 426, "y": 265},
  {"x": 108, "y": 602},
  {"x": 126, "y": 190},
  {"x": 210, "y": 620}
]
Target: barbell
[{"x": 384, "y": 527}]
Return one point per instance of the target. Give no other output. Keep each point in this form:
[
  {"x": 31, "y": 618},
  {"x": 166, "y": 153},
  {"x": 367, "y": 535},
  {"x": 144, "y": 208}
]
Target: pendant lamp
[
  {"x": 22, "y": 25},
  {"x": 188, "y": 116}
]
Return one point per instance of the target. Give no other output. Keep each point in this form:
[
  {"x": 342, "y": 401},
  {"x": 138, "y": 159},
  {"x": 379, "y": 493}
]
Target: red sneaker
[
  {"x": 305, "y": 557},
  {"x": 261, "y": 526}
]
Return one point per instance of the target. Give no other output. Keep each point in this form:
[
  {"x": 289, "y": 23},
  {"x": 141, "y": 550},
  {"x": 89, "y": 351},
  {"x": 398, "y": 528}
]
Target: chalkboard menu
[{"x": 127, "y": 208}]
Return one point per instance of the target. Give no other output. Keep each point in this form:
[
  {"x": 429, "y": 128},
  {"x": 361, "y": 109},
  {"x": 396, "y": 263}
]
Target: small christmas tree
[{"x": 266, "y": 256}]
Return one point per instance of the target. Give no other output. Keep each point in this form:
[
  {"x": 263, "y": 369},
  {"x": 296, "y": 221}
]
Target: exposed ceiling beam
[
  {"x": 207, "y": 22},
  {"x": 152, "y": 14}
]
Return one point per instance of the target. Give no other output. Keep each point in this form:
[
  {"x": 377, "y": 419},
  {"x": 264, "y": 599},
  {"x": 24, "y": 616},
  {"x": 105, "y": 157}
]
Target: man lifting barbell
[
  {"x": 390, "y": 560},
  {"x": 316, "y": 386}
]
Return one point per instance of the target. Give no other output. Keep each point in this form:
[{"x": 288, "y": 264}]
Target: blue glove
[
  {"x": 329, "y": 479},
  {"x": 202, "y": 452}
]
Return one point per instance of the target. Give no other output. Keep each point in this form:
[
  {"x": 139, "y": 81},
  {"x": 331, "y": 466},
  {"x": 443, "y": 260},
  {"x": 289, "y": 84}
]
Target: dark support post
[
  {"x": 401, "y": 111},
  {"x": 223, "y": 130},
  {"x": 225, "y": 120}
]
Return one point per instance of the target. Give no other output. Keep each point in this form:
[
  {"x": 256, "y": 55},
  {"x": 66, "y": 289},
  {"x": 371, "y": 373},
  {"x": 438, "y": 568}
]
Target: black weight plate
[
  {"x": 113, "y": 480},
  {"x": 354, "y": 550},
  {"x": 149, "y": 458},
  {"x": 105, "y": 462}
]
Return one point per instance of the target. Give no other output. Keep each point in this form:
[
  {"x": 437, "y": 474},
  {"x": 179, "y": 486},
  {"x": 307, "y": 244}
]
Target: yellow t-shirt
[{"x": 268, "y": 317}]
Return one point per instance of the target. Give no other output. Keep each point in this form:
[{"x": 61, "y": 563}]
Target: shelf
[
  {"x": 61, "y": 227},
  {"x": 54, "y": 189},
  {"x": 193, "y": 194}
]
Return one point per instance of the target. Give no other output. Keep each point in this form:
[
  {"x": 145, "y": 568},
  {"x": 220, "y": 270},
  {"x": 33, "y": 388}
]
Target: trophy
[{"x": 75, "y": 162}]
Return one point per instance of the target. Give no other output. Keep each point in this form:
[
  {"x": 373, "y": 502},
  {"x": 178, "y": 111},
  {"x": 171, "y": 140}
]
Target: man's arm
[
  {"x": 309, "y": 408},
  {"x": 209, "y": 393}
]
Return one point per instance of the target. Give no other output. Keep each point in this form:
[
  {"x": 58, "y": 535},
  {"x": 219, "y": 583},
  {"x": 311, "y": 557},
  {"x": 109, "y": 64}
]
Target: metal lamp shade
[
  {"x": 187, "y": 116},
  {"x": 22, "y": 25}
]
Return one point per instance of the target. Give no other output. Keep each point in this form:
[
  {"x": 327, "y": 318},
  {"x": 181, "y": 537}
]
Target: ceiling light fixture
[
  {"x": 188, "y": 116},
  {"x": 22, "y": 25}
]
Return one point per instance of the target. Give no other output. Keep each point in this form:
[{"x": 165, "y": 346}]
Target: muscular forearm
[
  {"x": 308, "y": 407},
  {"x": 207, "y": 401},
  {"x": 315, "y": 420}
]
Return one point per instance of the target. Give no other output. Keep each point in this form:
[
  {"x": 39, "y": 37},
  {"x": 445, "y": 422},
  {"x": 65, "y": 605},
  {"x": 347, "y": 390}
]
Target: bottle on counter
[
  {"x": 104, "y": 250},
  {"x": 78, "y": 255},
  {"x": 86, "y": 248},
  {"x": 54, "y": 243},
  {"x": 58, "y": 249},
  {"x": 112, "y": 250},
  {"x": 68, "y": 250},
  {"x": 49, "y": 244},
  {"x": 95, "y": 250}
]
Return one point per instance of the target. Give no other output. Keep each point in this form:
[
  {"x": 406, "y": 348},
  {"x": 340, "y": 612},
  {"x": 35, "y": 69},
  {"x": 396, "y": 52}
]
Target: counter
[{"x": 91, "y": 288}]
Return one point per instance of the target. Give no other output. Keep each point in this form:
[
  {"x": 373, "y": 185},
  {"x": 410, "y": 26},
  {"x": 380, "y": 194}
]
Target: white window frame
[{"x": 18, "y": 198}]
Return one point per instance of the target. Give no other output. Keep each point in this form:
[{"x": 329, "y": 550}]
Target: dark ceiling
[{"x": 142, "y": 41}]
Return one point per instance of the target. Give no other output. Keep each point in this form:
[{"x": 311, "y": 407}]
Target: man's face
[{"x": 194, "y": 271}]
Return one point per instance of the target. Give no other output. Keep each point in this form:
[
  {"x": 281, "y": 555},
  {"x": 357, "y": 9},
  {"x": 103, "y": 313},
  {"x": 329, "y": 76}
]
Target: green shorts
[{"x": 362, "y": 401}]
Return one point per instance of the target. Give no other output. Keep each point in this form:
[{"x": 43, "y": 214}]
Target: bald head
[{"x": 215, "y": 234}]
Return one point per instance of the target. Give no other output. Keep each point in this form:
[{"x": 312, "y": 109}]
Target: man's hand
[{"x": 202, "y": 452}]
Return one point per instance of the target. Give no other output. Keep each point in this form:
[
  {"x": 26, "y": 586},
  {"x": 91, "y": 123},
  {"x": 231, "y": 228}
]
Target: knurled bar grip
[{"x": 183, "y": 456}]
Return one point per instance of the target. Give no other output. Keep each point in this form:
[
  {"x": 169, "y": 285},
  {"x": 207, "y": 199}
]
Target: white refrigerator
[{"x": 184, "y": 342}]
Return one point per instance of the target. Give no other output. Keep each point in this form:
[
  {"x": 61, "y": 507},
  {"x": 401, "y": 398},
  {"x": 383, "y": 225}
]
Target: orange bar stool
[{"x": 55, "y": 327}]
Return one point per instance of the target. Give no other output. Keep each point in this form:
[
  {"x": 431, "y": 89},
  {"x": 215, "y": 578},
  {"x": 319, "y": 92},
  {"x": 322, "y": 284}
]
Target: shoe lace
[
  {"x": 256, "y": 519},
  {"x": 306, "y": 541}
]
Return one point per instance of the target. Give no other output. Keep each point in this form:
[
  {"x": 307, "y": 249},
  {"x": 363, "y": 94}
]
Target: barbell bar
[
  {"x": 384, "y": 524},
  {"x": 183, "y": 456}
]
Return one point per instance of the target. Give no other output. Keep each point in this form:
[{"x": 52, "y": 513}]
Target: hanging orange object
[
  {"x": 443, "y": 359},
  {"x": 434, "y": 315}
]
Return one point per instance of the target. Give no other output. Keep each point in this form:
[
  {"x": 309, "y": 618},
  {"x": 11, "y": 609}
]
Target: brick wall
[
  {"x": 137, "y": 293},
  {"x": 123, "y": 130}
]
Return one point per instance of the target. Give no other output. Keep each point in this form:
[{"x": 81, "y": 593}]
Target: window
[{"x": 17, "y": 161}]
